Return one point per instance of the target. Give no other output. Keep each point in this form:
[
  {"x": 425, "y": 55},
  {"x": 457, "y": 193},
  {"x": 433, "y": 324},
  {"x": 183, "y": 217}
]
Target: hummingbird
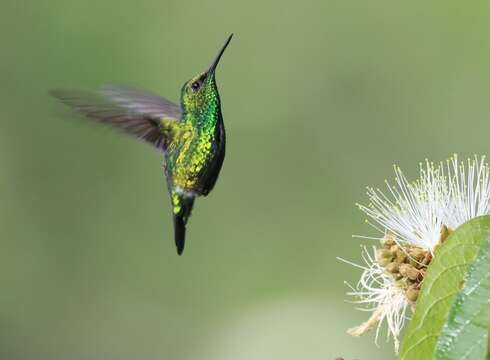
[{"x": 190, "y": 136}]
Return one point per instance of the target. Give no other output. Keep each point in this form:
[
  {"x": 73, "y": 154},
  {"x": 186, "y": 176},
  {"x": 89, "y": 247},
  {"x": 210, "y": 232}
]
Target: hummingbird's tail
[{"x": 182, "y": 207}]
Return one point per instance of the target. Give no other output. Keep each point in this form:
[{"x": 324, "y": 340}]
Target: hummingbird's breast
[{"x": 196, "y": 160}]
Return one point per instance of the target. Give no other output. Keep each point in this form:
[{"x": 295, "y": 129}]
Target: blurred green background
[{"x": 319, "y": 98}]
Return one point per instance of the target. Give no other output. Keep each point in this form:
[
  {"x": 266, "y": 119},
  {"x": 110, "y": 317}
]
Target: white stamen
[
  {"x": 416, "y": 211},
  {"x": 377, "y": 292}
]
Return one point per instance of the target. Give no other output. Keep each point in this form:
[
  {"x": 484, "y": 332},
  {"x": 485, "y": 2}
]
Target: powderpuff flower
[{"x": 414, "y": 218}]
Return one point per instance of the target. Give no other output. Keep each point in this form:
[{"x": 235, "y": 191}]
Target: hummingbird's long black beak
[{"x": 215, "y": 62}]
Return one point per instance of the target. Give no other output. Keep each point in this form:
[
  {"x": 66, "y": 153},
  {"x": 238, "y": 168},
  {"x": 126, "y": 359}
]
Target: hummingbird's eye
[{"x": 195, "y": 85}]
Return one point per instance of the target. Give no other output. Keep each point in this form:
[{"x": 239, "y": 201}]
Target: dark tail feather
[
  {"x": 179, "y": 229},
  {"x": 182, "y": 207}
]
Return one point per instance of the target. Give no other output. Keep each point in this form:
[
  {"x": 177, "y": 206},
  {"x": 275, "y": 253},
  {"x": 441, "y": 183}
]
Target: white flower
[
  {"x": 413, "y": 218},
  {"x": 378, "y": 294}
]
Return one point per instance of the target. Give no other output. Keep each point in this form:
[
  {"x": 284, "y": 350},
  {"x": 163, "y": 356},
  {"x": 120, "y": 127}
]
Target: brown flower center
[{"x": 406, "y": 263}]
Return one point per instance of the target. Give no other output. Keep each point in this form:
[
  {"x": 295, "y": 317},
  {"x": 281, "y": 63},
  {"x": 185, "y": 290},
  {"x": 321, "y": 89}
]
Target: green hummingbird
[{"x": 191, "y": 136}]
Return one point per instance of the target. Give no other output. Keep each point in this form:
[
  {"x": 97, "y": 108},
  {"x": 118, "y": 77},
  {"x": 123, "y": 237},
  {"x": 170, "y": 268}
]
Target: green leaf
[
  {"x": 443, "y": 281},
  {"x": 465, "y": 335}
]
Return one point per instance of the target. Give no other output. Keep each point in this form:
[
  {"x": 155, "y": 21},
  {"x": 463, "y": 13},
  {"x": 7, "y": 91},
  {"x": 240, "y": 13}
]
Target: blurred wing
[{"x": 140, "y": 113}]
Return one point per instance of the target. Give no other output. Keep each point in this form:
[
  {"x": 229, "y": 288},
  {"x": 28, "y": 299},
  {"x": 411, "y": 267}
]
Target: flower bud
[
  {"x": 445, "y": 232},
  {"x": 417, "y": 254},
  {"x": 388, "y": 240},
  {"x": 383, "y": 254},
  {"x": 409, "y": 271},
  {"x": 412, "y": 294},
  {"x": 401, "y": 257}
]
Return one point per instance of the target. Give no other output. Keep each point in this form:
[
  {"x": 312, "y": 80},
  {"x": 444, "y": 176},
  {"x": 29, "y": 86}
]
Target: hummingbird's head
[{"x": 201, "y": 92}]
